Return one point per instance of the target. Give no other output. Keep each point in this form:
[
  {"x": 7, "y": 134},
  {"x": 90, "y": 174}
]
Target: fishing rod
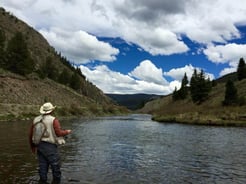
[{"x": 73, "y": 131}]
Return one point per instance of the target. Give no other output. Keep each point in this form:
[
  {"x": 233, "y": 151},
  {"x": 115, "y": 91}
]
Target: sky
[{"x": 140, "y": 46}]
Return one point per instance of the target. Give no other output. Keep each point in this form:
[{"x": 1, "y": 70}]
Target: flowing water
[{"x": 130, "y": 150}]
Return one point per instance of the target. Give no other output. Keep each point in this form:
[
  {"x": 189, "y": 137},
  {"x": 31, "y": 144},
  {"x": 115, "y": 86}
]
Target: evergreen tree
[
  {"x": 231, "y": 97},
  {"x": 51, "y": 70},
  {"x": 79, "y": 72},
  {"x": 193, "y": 84},
  {"x": 64, "y": 77},
  {"x": 75, "y": 81},
  {"x": 2, "y": 49},
  {"x": 48, "y": 69},
  {"x": 183, "y": 91},
  {"x": 175, "y": 95},
  {"x": 18, "y": 57},
  {"x": 241, "y": 69},
  {"x": 185, "y": 81},
  {"x": 199, "y": 87},
  {"x": 184, "y": 88}
]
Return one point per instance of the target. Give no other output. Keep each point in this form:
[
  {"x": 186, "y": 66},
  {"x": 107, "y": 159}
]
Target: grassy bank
[
  {"x": 202, "y": 120},
  {"x": 12, "y": 112},
  {"x": 210, "y": 112}
]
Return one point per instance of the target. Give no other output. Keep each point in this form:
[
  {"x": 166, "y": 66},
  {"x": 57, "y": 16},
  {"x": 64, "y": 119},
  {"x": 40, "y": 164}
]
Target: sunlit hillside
[{"x": 210, "y": 111}]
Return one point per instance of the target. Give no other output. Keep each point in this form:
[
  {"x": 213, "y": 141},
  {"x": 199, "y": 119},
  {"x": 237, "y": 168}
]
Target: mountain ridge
[{"x": 133, "y": 101}]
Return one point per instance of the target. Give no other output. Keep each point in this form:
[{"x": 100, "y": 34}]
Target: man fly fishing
[{"x": 47, "y": 146}]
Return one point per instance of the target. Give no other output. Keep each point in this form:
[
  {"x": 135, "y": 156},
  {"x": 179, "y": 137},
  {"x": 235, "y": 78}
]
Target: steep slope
[{"x": 20, "y": 96}]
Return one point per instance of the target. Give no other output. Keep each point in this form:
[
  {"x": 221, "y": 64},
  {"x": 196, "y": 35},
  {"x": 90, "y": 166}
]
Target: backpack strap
[{"x": 45, "y": 127}]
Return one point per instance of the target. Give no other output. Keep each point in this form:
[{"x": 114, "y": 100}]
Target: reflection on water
[{"x": 131, "y": 149}]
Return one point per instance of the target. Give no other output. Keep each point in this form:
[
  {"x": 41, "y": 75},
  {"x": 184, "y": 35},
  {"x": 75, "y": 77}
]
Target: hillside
[
  {"x": 21, "y": 95},
  {"x": 209, "y": 112}
]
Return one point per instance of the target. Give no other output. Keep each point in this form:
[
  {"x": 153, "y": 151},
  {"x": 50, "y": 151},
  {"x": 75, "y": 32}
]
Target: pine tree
[
  {"x": 51, "y": 70},
  {"x": 2, "y": 49},
  {"x": 64, "y": 77},
  {"x": 18, "y": 56},
  {"x": 241, "y": 69},
  {"x": 184, "y": 88},
  {"x": 182, "y": 93},
  {"x": 193, "y": 86},
  {"x": 175, "y": 94},
  {"x": 75, "y": 81},
  {"x": 199, "y": 87},
  {"x": 48, "y": 69},
  {"x": 231, "y": 97}
]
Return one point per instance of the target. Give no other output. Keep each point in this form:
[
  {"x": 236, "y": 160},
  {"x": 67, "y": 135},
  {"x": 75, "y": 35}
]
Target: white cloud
[
  {"x": 155, "y": 26},
  {"x": 114, "y": 82},
  {"x": 225, "y": 53},
  {"x": 202, "y": 24},
  {"x": 79, "y": 46},
  {"x": 156, "y": 42},
  {"x": 20, "y": 4},
  {"x": 175, "y": 84},
  {"x": 229, "y": 53},
  {"x": 147, "y": 71},
  {"x": 178, "y": 73},
  {"x": 227, "y": 71}
]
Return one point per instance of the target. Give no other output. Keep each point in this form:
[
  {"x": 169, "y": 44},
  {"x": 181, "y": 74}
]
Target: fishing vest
[{"x": 48, "y": 121}]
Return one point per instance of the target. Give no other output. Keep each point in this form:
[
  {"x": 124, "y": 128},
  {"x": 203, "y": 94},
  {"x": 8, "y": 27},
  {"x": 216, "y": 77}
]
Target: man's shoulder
[
  {"x": 37, "y": 118},
  {"x": 49, "y": 117}
]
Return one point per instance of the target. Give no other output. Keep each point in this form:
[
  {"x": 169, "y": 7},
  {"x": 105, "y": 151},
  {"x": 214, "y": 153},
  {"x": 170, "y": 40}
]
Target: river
[{"x": 131, "y": 150}]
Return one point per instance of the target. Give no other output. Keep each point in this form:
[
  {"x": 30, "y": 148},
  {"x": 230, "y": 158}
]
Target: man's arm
[
  {"x": 32, "y": 146},
  {"x": 58, "y": 130}
]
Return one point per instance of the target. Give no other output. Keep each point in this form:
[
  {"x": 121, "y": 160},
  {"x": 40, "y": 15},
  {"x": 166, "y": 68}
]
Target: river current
[{"x": 131, "y": 150}]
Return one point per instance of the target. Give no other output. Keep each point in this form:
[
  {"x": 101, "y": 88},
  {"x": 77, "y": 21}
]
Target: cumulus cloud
[
  {"x": 145, "y": 78},
  {"x": 202, "y": 24},
  {"x": 143, "y": 10},
  {"x": 229, "y": 53},
  {"x": 155, "y": 25},
  {"x": 157, "y": 42},
  {"x": 225, "y": 53},
  {"x": 115, "y": 82},
  {"x": 175, "y": 84},
  {"x": 79, "y": 46},
  {"x": 178, "y": 73},
  {"x": 148, "y": 72},
  {"x": 227, "y": 71}
]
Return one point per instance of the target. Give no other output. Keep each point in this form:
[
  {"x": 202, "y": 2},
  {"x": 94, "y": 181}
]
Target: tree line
[
  {"x": 15, "y": 57},
  {"x": 231, "y": 95},
  {"x": 200, "y": 86}
]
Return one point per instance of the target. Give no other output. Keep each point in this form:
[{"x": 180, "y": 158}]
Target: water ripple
[{"x": 132, "y": 150}]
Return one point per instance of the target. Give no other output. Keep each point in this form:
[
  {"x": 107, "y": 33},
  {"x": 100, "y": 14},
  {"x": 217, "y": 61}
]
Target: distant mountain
[
  {"x": 133, "y": 101},
  {"x": 32, "y": 72}
]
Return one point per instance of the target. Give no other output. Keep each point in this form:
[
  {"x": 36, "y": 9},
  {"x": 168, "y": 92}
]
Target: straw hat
[{"x": 46, "y": 108}]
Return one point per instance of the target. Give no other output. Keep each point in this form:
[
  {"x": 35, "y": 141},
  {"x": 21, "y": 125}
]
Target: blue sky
[{"x": 141, "y": 46}]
